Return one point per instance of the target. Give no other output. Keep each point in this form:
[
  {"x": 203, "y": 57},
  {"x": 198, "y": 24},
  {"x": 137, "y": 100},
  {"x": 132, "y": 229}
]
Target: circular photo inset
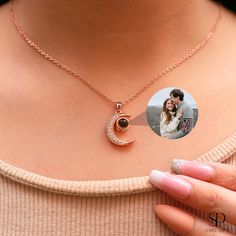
[{"x": 172, "y": 113}]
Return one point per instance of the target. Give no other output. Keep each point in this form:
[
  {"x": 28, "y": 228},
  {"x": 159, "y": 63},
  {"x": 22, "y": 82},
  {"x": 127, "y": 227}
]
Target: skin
[
  {"x": 175, "y": 100},
  {"x": 47, "y": 117},
  {"x": 169, "y": 105},
  {"x": 218, "y": 194}
]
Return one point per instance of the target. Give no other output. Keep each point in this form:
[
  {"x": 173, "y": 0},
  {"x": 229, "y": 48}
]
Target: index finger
[
  {"x": 217, "y": 173},
  {"x": 199, "y": 194}
]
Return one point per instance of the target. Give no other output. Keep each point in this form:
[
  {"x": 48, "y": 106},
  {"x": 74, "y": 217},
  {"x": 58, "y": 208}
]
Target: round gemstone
[{"x": 123, "y": 122}]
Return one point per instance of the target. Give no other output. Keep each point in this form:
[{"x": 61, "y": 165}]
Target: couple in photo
[{"x": 176, "y": 116}]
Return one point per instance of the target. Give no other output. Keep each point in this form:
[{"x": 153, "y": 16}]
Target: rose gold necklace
[{"x": 119, "y": 121}]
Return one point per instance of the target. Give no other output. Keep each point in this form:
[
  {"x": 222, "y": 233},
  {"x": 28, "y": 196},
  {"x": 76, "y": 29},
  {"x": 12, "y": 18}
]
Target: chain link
[{"x": 189, "y": 54}]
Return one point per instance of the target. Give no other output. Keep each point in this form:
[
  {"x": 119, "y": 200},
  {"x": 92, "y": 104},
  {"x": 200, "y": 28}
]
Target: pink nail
[
  {"x": 170, "y": 183},
  {"x": 192, "y": 168}
]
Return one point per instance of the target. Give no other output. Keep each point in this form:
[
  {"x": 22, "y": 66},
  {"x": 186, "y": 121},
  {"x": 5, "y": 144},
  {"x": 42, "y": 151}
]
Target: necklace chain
[{"x": 181, "y": 60}]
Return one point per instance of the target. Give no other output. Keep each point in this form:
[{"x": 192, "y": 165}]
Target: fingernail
[
  {"x": 170, "y": 183},
  {"x": 177, "y": 219},
  {"x": 194, "y": 169}
]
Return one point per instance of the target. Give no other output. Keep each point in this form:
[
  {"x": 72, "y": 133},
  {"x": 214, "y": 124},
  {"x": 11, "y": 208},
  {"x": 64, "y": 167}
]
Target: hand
[
  {"x": 207, "y": 186},
  {"x": 179, "y": 113}
]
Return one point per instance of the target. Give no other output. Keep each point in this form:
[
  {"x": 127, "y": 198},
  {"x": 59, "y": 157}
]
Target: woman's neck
[{"x": 116, "y": 32}]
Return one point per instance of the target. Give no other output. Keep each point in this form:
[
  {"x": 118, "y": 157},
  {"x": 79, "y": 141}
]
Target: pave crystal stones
[{"x": 119, "y": 122}]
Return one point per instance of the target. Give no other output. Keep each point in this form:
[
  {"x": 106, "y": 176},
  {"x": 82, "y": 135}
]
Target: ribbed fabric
[{"x": 31, "y": 204}]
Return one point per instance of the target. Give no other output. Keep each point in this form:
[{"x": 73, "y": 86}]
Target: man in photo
[{"x": 186, "y": 121}]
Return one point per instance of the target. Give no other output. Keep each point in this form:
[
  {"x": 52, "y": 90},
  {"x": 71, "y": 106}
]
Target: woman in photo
[{"x": 170, "y": 118}]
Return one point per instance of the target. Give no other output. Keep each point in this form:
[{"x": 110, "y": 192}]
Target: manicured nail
[
  {"x": 170, "y": 183},
  {"x": 194, "y": 169},
  {"x": 177, "y": 219}
]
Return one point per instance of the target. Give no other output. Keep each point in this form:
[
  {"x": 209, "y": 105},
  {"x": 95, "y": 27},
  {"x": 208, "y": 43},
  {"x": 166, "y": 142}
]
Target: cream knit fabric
[{"x": 31, "y": 204}]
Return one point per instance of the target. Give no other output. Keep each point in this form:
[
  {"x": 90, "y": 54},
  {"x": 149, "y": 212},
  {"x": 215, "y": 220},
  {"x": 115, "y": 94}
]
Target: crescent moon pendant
[{"x": 119, "y": 122}]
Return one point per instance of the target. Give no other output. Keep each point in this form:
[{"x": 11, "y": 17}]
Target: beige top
[{"x": 32, "y": 204}]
